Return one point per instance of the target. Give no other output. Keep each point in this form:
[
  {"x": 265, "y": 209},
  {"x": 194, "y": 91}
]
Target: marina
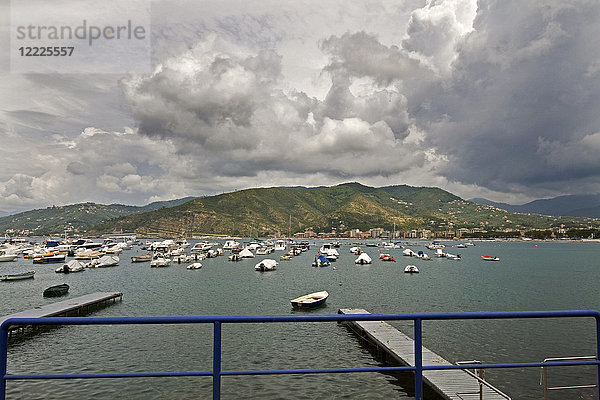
[{"x": 523, "y": 280}]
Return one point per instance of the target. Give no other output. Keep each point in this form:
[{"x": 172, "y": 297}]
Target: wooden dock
[
  {"x": 76, "y": 306},
  {"x": 452, "y": 384}
]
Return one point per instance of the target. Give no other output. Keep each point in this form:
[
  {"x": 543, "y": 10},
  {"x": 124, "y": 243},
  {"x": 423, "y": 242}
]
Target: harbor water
[{"x": 528, "y": 276}]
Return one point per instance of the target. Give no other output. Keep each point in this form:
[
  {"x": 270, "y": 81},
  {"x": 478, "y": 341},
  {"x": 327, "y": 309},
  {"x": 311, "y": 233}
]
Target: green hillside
[
  {"x": 268, "y": 211},
  {"x": 74, "y": 218}
]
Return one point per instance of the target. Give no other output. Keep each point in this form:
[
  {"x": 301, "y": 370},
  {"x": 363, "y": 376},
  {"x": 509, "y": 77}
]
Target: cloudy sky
[{"x": 488, "y": 98}]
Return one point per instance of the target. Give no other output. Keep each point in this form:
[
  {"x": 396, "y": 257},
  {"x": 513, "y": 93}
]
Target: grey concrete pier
[
  {"x": 72, "y": 307},
  {"x": 452, "y": 384}
]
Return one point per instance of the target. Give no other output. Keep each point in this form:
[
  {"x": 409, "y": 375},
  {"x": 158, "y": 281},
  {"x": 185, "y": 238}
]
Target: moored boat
[
  {"x": 321, "y": 261},
  {"x": 195, "y": 265},
  {"x": 268, "y": 264},
  {"x": 15, "y": 277},
  {"x": 56, "y": 290},
  {"x": 490, "y": 258},
  {"x": 104, "y": 261},
  {"x": 386, "y": 257},
  {"x": 311, "y": 300},
  {"x": 143, "y": 258},
  {"x": 71, "y": 266},
  {"x": 160, "y": 261},
  {"x": 246, "y": 253},
  {"x": 234, "y": 257},
  {"x": 362, "y": 259},
  {"x": 4, "y": 256},
  {"x": 411, "y": 269},
  {"x": 52, "y": 258},
  {"x": 88, "y": 255}
]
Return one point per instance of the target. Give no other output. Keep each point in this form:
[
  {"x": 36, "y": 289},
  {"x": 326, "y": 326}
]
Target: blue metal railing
[{"x": 217, "y": 321}]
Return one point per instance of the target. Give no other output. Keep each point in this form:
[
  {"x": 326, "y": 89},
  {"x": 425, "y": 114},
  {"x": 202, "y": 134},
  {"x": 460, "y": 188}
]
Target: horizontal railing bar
[
  {"x": 554, "y": 359},
  {"x": 510, "y": 365},
  {"x": 108, "y": 375},
  {"x": 317, "y": 371},
  {"x": 417, "y": 318},
  {"x": 297, "y": 318},
  {"x": 573, "y": 387},
  {"x": 287, "y": 371},
  {"x": 207, "y": 373}
]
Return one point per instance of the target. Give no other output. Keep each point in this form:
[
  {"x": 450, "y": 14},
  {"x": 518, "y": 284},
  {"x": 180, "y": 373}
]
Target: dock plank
[
  {"x": 65, "y": 306},
  {"x": 450, "y": 384}
]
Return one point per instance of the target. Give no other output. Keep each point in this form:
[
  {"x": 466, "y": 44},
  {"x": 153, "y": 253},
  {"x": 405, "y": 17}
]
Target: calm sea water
[{"x": 529, "y": 276}]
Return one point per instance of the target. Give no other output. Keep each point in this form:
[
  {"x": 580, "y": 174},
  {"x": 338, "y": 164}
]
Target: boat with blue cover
[{"x": 321, "y": 261}]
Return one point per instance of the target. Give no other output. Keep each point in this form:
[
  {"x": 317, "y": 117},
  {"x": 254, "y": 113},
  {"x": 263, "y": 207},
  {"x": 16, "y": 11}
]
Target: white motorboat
[
  {"x": 200, "y": 247},
  {"x": 182, "y": 258},
  {"x": 103, "y": 262},
  {"x": 195, "y": 265},
  {"x": 411, "y": 269},
  {"x": 408, "y": 253},
  {"x": 160, "y": 261},
  {"x": 355, "y": 250},
  {"x": 88, "y": 255},
  {"x": 362, "y": 259},
  {"x": 71, "y": 266},
  {"x": 332, "y": 254},
  {"x": 246, "y": 253},
  {"x": 230, "y": 245},
  {"x": 7, "y": 257},
  {"x": 280, "y": 245},
  {"x": 268, "y": 264}
]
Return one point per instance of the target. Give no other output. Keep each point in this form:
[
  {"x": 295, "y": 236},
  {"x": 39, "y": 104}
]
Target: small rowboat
[
  {"x": 15, "y": 277},
  {"x": 57, "y": 290},
  {"x": 142, "y": 258},
  {"x": 311, "y": 300}
]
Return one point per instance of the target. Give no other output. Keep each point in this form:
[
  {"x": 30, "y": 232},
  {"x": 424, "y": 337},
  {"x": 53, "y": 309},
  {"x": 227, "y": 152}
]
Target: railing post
[
  {"x": 598, "y": 355},
  {"x": 418, "y": 359},
  {"x": 3, "y": 360},
  {"x": 545, "y": 382},
  {"x": 217, "y": 361}
]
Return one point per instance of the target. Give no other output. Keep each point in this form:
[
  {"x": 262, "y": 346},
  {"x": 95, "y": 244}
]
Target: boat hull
[
  {"x": 308, "y": 301},
  {"x": 315, "y": 304},
  {"x": 17, "y": 277},
  {"x": 56, "y": 291}
]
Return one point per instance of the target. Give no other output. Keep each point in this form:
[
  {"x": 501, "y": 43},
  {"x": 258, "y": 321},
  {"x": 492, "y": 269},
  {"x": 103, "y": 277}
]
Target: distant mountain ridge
[
  {"x": 569, "y": 205},
  {"x": 75, "y": 217},
  {"x": 275, "y": 210}
]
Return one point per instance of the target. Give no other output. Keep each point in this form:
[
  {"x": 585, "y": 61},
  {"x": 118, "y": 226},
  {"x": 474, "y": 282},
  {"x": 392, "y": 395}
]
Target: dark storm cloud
[{"x": 521, "y": 90}]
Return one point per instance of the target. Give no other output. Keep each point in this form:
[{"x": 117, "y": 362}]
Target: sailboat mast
[{"x": 289, "y": 233}]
